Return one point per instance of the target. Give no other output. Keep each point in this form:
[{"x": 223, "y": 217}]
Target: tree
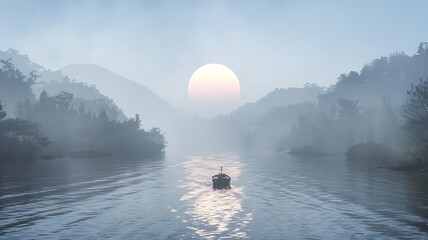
[
  {"x": 349, "y": 109},
  {"x": 390, "y": 128},
  {"x": 15, "y": 87},
  {"x": 423, "y": 48},
  {"x": 349, "y": 114},
  {"x": 2, "y": 113},
  {"x": 416, "y": 113},
  {"x": 62, "y": 101},
  {"x": 43, "y": 98},
  {"x": 74, "y": 130},
  {"x": 103, "y": 116},
  {"x": 81, "y": 110},
  {"x": 20, "y": 138},
  {"x": 25, "y": 132}
]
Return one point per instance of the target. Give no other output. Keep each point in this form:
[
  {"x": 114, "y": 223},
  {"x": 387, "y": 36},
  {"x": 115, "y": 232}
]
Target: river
[{"x": 276, "y": 196}]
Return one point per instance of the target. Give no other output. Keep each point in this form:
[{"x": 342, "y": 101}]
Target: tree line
[
  {"x": 52, "y": 126},
  {"x": 385, "y": 104}
]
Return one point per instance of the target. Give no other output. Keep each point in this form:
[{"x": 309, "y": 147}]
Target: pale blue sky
[{"x": 268, "y": 44}]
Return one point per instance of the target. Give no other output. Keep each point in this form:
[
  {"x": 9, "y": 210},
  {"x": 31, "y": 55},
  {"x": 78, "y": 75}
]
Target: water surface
[{"x": 272, "y": 197}]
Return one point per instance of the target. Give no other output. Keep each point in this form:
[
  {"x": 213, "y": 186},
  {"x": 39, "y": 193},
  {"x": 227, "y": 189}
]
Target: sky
[{"x": 268, "y": 44}]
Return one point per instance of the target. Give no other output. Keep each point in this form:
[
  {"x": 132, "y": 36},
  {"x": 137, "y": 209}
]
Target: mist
[
  {"x": 163, "y": 43},
  {"x": 317, "y": 130}
]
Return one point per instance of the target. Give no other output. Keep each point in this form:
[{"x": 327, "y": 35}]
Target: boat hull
[{"x": 221, "y": 182}]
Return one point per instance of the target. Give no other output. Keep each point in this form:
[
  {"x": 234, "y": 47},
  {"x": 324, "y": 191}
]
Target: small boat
[{"x": 221, "y": 180}]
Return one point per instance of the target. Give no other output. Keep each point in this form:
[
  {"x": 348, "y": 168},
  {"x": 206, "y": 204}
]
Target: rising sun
[{"x": 213, "y": 83}]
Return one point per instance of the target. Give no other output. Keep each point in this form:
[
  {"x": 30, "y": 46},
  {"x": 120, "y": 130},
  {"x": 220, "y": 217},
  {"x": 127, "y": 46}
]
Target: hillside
[
  {"x": 54, "y": 83},
  {"x": 385, "y": 76},
  {"x": 278, "y": 98},
  {"x": 236, "y": 125},
  {"x": 131, "y": 96},
  {"x": 84, "y": 94},
  {"x": 363, "y": 106}
]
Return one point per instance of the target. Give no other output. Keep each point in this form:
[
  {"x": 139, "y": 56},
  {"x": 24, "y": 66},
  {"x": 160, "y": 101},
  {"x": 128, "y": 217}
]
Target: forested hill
[
  {"x": 278, "y": 98},
  {"x": 230, "y": 129},
  {"x": 37, "y": 79},
  {"x": 55, "y": 124},
  {"x": 385, "y": 76},
  {"x": 131, "y": 96},
  {"x": 362, "y": 107}
]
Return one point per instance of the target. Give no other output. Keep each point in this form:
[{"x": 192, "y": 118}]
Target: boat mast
[{"x": 221, "y": 170}]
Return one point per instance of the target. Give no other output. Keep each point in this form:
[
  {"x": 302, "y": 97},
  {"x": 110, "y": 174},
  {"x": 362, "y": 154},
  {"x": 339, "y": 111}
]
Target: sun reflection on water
[{"x": 214, "y": 213}]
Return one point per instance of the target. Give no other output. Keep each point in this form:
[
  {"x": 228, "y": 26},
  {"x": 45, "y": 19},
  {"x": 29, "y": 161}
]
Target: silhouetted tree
[
  {"x": 87, "y": 95},
  {"x": 102, "y": 116},
  {"x": 81, "y": 110},
  {"x": 2, "y": 113},
  {"x": 75, "y": 130},
  {"x": 423, "y": 48},
  {"x": 416, "y": 113},
  {"x": 349, "y": 109},
  {"x": 390, "y": 128},
  {"x": 14, "y": 86},
  {"x": 19, "y": 138}
]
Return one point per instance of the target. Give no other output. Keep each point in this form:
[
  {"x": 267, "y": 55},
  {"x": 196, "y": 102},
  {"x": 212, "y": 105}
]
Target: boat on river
[{"x": 221, "y": 180}]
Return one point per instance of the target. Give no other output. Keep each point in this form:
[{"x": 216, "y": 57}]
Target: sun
[{"x": 213, "y": 83}]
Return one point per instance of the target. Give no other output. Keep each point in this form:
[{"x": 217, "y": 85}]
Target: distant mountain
[
  {"x": 98, "y": 88},
  {"x": 54, "y": 83},
  {"x": 89, "y": 96},
  {"x": 279, "y": 97},
  {"x": 131, "y": 96},
  {"x": 245, "y": 119}
]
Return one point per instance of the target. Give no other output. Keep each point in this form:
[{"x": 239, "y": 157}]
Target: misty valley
[
  {"x": 352, "y": 156},
  {"x": 119, "y": 145}
]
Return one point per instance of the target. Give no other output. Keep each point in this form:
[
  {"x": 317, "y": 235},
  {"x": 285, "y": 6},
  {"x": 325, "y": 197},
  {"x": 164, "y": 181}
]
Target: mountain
[
  {"x": 278, "y": 98},
  {"x": 89, "y": 96},
  {"x": 98, "y": 88},
  {"x": 131, "y": 96},
  {"x": 363, "y": 106},
  {"x": 235, "y": 126},
  {"x": 54, "y": 83}
]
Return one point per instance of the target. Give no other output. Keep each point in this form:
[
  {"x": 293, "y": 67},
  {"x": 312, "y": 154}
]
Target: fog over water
[
  {"x": 313, "y": 124},
  {"x": 282, "y": 197}
]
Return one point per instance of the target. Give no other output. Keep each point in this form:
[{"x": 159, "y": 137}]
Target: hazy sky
[{"x": 268, "y": 44}]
